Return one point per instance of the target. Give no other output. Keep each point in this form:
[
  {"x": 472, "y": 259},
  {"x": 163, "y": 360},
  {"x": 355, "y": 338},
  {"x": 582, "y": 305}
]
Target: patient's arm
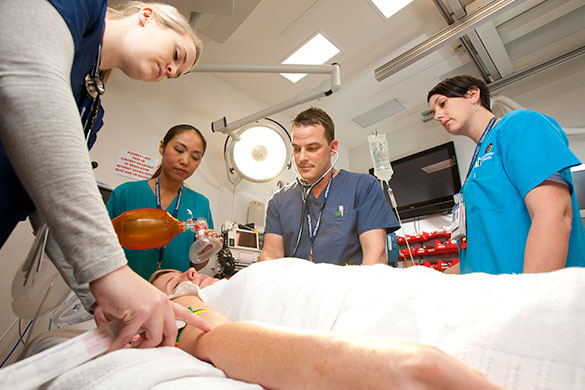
[{"x": 284, "y": 359}]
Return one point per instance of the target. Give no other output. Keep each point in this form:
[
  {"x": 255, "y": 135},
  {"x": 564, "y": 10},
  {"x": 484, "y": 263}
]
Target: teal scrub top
[
  {"x": 138, "y": 195},
  {"x": 521, "y": 151}
]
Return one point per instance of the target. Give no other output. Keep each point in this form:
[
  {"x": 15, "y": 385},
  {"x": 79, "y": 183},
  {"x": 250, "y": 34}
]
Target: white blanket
[
  {"x": 521, "y": 331},
  {"x": 144, "y": 369}
]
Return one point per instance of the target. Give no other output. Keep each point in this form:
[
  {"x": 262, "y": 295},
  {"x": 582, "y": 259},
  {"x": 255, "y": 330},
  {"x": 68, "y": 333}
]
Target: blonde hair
[
  {"x": 164, "y": 14},
  {"x": 159, "y": 273}
]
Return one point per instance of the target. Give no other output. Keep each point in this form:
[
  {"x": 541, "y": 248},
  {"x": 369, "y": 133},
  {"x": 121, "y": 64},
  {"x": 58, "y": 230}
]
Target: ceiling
[{"x": 527, "y": 33}]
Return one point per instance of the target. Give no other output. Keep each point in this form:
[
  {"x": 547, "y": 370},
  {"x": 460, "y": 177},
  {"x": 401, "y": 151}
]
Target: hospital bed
[{"x": 521, "y": 331}]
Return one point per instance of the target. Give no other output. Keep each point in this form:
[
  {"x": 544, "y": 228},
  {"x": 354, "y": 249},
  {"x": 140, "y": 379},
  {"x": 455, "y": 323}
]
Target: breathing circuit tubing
[{"x": 307, "y": 188}]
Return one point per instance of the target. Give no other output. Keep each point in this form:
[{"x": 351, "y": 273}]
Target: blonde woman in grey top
[{"x": 44, "y": 161}]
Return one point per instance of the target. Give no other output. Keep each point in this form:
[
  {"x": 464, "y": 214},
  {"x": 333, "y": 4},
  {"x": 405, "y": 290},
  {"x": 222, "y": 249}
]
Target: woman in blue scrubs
[
  {"x": 521, "y": 210},
  {"x": 182, "y": 149},
  {"x": 49, "y": 52}
]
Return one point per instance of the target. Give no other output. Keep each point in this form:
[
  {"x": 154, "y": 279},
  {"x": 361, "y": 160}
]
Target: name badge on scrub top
[{"x": 458, "y": 223}]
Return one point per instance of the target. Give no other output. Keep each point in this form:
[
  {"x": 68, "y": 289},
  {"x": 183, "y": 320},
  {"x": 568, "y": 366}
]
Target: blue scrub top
[
  {"x": 521, "y": 151},
  {"x": 138, "y": 195},
  {"x": 364, "y": 208},
  {"x": 86, "y": 22}
]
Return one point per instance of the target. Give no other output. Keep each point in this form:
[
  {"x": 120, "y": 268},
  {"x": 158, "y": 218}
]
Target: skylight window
[
  {"x": 315, "y": 52},
  {"x": 390, "y": 7}
]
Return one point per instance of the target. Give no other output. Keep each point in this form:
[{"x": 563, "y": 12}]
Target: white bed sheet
[{"x": 521, "y": 331}]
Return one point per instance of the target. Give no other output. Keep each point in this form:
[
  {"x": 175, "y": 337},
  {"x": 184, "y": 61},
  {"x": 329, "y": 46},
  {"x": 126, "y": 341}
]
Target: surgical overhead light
[
  {"x": 264, "y": 156},
  {"x": 261, "y": 154}
]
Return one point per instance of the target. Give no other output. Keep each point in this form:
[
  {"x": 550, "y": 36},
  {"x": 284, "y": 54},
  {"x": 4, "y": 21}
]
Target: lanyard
[
  {"x": 478, "y": 148},
  {"x": 161, "y": 250},
  {"x": 313, "y": 232}
]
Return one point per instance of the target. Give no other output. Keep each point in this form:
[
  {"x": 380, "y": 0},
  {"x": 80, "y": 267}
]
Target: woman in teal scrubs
[
  {"x": 182, "y": 149},
  {"x": 521, "y": 210}
]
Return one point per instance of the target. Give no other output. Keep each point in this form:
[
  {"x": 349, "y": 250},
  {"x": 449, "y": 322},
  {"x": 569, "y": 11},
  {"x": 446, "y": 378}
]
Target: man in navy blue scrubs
[{"x": 331, "y": 216}]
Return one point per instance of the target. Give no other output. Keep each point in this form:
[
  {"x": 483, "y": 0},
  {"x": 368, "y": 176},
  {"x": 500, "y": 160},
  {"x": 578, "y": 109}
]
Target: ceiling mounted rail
[
  {"x": 454, "y": 31},
  {"x": 536, "y": 69}
]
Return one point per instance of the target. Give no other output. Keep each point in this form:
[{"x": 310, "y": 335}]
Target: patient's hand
[{"x": 427, "y": 367}]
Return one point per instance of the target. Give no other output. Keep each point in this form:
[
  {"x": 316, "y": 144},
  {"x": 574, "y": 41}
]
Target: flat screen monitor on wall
[{"x": 424, "y": 183}]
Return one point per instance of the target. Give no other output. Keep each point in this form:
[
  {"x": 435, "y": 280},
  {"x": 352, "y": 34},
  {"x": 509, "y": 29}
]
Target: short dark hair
[
  {"x": 175, "y": 131},
  {"x": 458, "y": 86},
  {"x": 316, "y": 116}
]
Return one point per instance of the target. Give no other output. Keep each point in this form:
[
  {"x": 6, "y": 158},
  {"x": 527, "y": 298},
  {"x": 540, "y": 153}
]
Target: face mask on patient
[{"x": 185, "y": 288}]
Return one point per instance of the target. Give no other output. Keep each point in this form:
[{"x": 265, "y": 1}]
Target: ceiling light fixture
[
  {"x": 262, "y": 154},
  {"x": 390, "y": 7},
  {"x": 316, "y": 51}
]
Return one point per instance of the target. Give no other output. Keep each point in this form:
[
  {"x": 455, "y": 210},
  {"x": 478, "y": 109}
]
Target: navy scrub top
[
  {"x": 86, "y": 22},
  {"x": 364, "y": 208}
]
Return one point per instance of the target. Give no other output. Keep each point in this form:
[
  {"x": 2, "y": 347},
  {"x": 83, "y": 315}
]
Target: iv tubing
[{"x": 389, "y": 190}]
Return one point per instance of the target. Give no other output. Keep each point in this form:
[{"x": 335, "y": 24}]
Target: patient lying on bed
[{"x": 275, "y": 357}]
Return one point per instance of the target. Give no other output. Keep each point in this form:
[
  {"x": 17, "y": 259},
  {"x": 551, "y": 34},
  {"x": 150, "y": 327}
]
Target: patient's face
[{"x": 169, "y": 282}]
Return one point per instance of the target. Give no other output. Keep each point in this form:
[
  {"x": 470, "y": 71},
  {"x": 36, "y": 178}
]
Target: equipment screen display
[
  {"x": 424, "y": 183},
  {"x": 246, "y": 239}
]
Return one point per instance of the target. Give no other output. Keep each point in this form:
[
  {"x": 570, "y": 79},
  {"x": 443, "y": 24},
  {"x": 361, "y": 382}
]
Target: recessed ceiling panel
[{"x": 375, "y": 115}]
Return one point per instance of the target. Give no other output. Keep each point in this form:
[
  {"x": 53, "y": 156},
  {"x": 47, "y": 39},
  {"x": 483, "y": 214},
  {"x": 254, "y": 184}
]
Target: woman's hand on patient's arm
[
  {"x": 124, "y": 295},
  {"x": 191, "y": 336}
]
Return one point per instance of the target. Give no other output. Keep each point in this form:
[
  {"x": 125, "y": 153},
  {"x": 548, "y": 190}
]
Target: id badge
[{"x": 458, "y": 222}]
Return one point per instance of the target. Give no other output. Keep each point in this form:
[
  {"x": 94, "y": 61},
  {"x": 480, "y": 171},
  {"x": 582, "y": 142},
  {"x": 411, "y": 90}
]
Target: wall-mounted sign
[{"x": 134, "y": 165}]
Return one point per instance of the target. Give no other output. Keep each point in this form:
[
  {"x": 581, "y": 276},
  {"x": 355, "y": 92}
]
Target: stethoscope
[
  {"x": 94, "y": 86},
  {"x": 305, "y": 192}
]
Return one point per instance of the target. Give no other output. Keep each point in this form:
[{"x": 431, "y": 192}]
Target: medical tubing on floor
[
  {"x": 8, "y": 330},
  {"x": 40, "y": 307},
  {"x": 15, "y": 345},
  {"x": 20, "y": 332}
]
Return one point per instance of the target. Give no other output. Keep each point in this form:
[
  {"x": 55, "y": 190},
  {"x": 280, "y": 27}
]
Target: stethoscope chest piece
[{"x": 94, "y": 85}]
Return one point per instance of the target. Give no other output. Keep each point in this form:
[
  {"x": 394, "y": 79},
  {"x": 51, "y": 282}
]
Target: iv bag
[{"x": 380, "y": 156}]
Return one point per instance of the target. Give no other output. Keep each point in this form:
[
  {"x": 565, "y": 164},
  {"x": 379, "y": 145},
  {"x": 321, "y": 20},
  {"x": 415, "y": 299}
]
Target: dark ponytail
[
  {"x": 458, "y": 86},
  {"x": 172, "y": 133}
]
